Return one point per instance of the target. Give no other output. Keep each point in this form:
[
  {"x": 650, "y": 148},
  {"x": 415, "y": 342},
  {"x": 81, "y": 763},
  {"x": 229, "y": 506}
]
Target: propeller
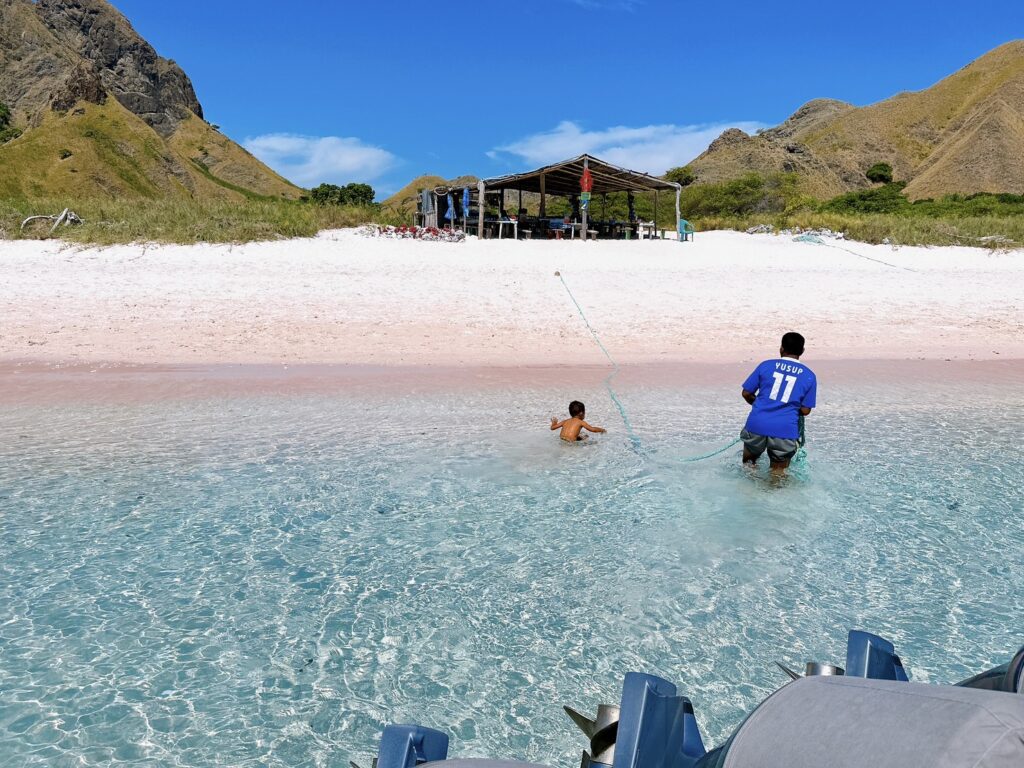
[
  {"x": 792, "y": 675},
  {"x": 584, "y": 723}
]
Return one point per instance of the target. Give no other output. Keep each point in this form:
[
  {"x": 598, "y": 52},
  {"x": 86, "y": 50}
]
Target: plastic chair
[{"x": 685, "y": 230}]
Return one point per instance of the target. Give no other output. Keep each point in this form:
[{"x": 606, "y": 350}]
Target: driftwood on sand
[{"x": 66, "y": 217}]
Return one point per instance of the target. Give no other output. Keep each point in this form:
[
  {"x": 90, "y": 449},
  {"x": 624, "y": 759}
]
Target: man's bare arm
[
  {"x": 593, "y": 429},
  {"x": 805, "y": 411},
  {"x": 555, "y": 423},
  {"x": 750, "y": 397}
]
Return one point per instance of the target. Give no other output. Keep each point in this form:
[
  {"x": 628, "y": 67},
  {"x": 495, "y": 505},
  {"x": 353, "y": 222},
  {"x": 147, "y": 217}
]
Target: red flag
[{"x": 586, "y": 181}]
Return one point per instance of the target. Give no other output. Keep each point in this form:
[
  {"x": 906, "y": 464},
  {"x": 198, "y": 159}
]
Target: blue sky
[{"x": 384, "y": 90}]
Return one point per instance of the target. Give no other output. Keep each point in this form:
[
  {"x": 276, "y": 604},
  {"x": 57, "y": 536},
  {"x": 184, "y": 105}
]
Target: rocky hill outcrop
[
  {"x": 154, "y": 88},
  {"x": 103, "y": 114}
]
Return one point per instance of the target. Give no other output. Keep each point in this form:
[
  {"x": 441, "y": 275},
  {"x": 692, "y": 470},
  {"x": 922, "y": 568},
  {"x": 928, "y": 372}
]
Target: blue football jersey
[{"x": 782, "y": 387}]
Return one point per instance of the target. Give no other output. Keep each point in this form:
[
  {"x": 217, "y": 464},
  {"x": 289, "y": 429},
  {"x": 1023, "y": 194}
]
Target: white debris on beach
[
  {"x": 768, "y": 229},
  {"x": 429, "y": 234}
]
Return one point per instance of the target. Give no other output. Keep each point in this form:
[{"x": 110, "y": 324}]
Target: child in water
[{"x": 571, "y": 427}]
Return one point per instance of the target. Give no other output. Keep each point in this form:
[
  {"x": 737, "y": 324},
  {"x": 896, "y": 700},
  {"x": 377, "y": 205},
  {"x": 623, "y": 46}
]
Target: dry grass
[
  {"x": 183, "y": 221},
  {"x": 186, "y": 221},
  {"x": 981, "y": 231},
  {"x": 98, "y": 151}
]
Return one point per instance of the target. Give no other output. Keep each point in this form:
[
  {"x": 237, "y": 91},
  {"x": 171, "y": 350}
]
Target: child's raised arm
[
  {"x": 556, "y": 424},
  {"x": 593, "y": 429}
]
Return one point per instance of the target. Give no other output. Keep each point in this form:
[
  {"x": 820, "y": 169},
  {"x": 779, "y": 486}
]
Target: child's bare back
[{"x": 572, "y": 426}]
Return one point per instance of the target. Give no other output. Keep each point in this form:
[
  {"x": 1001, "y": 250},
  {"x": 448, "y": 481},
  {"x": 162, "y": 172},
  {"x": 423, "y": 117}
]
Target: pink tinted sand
[
  {"x": 345, "y": 308},
  {"x": 42, "y": 384}
]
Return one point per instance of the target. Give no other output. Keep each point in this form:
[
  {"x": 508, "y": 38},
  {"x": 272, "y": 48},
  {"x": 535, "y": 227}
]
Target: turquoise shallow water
[{"x": 270, "y": 580}]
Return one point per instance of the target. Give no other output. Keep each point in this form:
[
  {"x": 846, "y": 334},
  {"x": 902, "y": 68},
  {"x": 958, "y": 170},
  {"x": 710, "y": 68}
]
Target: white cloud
[
  {"x": 651, "y": 149},
  {"x": 310, "y": 160}
]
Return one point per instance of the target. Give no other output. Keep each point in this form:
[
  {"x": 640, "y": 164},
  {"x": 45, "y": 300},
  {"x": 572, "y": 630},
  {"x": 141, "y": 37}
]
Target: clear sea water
[{"x": 269, "y": 580}]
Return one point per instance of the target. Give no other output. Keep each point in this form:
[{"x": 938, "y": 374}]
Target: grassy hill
[
  {"x": 103, "y": 117},
  {"x": 103, "y": 150},
  {"x": 963, "y": 135}
]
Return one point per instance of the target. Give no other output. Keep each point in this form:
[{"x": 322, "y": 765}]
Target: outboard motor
[
  {"x": 866, "y": 714},
  {"x": 1008, "y": 678},
  {"x": 651, "y": 728},
  {"x": 867, "y": 656}
]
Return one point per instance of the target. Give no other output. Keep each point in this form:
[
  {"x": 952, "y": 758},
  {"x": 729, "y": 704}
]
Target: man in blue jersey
[{"x": 780, "y": 391}]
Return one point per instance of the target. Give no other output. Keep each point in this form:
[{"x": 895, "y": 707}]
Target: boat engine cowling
[{"x": 866, "y": 714}]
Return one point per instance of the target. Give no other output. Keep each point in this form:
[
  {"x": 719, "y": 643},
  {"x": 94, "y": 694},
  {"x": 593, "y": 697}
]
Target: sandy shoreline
[
  {"x": 44, "y": 384},
  {"x": 345, "y": 299}
]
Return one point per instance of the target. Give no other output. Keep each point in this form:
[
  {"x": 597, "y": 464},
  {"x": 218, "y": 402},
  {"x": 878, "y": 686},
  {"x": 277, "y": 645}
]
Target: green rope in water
[
  {"x": 615, "y": 367},
  {"x": 611, "y": 391},
  {"x": 712, "y": 454},
  {"x": 798, "y": 460}
]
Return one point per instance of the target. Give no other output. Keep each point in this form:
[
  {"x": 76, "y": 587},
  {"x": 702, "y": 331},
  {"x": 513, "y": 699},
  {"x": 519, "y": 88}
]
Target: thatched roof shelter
[{"x": 563, "y": 179}]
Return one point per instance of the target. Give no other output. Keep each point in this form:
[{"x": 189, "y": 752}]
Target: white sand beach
[{"x": 342, "y": 298}]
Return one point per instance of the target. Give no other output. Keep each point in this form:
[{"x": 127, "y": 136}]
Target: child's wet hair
[{"x": 576, "y": 409}]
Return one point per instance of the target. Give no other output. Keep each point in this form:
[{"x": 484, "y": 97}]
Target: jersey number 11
[{"x": 790, "y": 383}]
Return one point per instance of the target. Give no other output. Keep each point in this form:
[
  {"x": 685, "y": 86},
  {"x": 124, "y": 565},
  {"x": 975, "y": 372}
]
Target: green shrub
[
  {"x": 683, "y": 176},
  {"x": 350, "y": 194},
  {"x": 885, "y": 199},
  {"x": 880, "y": 173},
  {"x": 7, "y": 132},
  {"x": 747, "y": 195}
]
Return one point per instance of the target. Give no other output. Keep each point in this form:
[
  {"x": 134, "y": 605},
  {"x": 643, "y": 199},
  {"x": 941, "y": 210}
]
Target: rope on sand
[{"x": 816, "y": 240}]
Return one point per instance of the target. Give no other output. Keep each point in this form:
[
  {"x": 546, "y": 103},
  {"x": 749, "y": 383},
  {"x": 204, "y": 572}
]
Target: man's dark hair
[
  {"x": 576, "y": 409},
  {"x": 793, "y": 344}
]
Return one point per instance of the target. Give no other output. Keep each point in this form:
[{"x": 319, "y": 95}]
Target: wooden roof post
[
  {"x": 480, "y": 213},
  {"x": 679, "y": 216},
  {"x": 543, "y": 210},
  {"x": 583, "y": 228}
]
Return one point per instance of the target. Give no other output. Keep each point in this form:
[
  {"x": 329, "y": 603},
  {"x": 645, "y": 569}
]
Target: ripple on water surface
[{"x": 270, "y": 581}]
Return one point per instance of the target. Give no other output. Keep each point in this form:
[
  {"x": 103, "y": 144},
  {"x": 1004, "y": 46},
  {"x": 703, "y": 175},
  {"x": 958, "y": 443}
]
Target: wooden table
[{"x": 514, "y": 223}]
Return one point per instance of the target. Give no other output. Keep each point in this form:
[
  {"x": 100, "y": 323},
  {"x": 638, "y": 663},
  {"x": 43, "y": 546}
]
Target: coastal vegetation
[
  {"x": 880, "y": 214},
  {"x": 176, "y": 220},
  {"x": 876, "y": 215},
  {"x": 350, "y": 194}
]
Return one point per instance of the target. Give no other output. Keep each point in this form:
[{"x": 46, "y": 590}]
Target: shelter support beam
[
  {"x": 543, "y": 209},
  {"x": 480, "y": 187},
  {"x": 586, "y": 207},
  {"x": 679, "y": 215}
]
